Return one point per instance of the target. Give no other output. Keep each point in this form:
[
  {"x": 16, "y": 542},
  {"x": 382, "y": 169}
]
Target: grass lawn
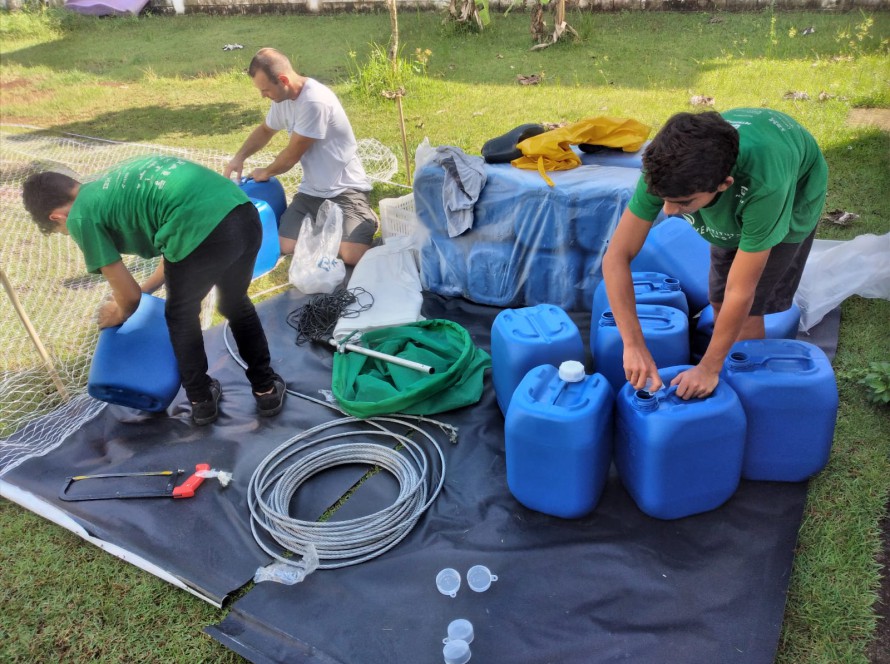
[{"x": 167, "y": 80}]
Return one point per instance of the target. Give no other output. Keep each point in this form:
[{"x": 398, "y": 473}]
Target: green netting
[{"x": 367, "y": 386}]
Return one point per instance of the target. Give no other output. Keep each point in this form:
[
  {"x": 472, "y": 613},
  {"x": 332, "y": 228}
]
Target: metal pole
[
  {"x": 392, "y": 359},
  {"x": 35, "y": 339}
]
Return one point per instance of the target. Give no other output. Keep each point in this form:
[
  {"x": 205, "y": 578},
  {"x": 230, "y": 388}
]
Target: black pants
[{"x": 225, "y": 260}]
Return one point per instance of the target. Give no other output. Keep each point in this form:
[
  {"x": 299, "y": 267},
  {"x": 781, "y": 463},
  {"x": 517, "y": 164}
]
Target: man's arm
[
  {"x": 286, "y": 159},
  {"x": 741, "y": 284},
  {"x": 257, "y": 140},
  {"x": 125, "y": 294},
  {"x": 155, "y": 280},
  {"x": 639, "y": 367}
]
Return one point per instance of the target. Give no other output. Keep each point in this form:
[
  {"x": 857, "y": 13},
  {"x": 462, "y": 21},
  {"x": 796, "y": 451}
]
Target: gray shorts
[
  {"x": 359, "y": 221},
  {"x": 778, "y": 283}
]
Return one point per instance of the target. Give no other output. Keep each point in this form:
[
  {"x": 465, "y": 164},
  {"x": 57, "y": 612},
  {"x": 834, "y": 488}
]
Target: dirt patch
[
  {"x": 872, "y": 117},
  {"x": 879, "y": 651}
]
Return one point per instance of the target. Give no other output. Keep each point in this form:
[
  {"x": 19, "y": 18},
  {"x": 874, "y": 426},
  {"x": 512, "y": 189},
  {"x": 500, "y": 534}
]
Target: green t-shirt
[
  {"x": 150, "y": 206},
  {"x": 780, "y": 182}
]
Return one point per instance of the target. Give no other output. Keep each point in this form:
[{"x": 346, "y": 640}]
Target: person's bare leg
[
  {"x": 752, "y": 328},
  {"x": 287, "y": 245},
  {"x": 351, "y": 252}
]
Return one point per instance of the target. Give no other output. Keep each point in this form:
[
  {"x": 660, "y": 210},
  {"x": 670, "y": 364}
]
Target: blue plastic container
[
  {"x": 558, "y": 440},
  {"x": 789, "y": 394},
  {"x": 677, "y": 458},
  {"x": 270, "y": 191},
  {"x": 522, "y": 339},
  {"x": 270, "y": 249},
  {"x": 554, "y": 278},
  {"x": 665, "y": 329},
  {"x": 443, "y": 265},
  {"x": 782, "y": 325},
  {"x": 649, "y": 288},
  {"x": 674, "y": 247},
  {"x": 493, "y": 271},
  {"x": 134, "y": 364}
]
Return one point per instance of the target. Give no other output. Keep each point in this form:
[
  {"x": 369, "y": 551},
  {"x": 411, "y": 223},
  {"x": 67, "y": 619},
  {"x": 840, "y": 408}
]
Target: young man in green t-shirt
[
  {"x": 208, "y": 234},
  {"x": 752, "y": 182}
]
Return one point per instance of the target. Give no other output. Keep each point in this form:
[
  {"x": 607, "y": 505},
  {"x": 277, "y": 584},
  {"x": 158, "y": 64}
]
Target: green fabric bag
[{"x": 366, "y": 386}]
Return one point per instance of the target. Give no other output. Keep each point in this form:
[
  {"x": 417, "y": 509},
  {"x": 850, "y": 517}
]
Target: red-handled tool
[
  {"x": 120, "y": 485},
  {"x": 187, "y": 488}
]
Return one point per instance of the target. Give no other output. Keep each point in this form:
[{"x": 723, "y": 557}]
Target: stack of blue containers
[
  {"x": 771, "y": 417},
  {"x": 529, "y": 243}
]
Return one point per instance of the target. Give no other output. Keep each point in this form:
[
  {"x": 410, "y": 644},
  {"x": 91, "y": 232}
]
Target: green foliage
[
  {"x": 380, "y": 76},
  {"x": 877, "y": 382}
]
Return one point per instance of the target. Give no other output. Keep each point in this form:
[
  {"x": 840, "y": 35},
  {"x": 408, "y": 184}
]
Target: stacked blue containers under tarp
[{"x": 530, "y": 243}]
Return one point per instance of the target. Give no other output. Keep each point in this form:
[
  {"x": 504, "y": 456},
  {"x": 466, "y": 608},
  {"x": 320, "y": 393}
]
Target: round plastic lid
[
  {"x": 460, "y": 630},
  {"x": 456, "y": 652},
  {"x": 448, "y": 581},
  {"x": 571, "y": 371}
]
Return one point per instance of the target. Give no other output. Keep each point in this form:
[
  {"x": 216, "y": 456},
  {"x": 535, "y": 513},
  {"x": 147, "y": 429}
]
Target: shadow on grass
[{"x": 145, "y": 124}]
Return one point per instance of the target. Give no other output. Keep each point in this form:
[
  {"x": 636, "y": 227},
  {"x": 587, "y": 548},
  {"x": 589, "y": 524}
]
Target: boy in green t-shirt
[
  {"x": 752, "y": 182},
  {"x": 208, "y": 234}
]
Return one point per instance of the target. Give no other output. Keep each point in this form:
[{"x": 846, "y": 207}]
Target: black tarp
[{"x": 615, "y": 586}]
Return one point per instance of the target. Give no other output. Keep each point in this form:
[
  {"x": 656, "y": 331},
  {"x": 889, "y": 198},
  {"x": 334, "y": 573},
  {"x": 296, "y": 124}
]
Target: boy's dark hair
[
  {"x": 692, "y": 153},
  {"x": 271, "y": 62},
  {"x": 44, "y": 192}
]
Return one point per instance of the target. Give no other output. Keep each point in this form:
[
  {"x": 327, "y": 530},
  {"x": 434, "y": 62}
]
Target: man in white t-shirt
[{"x": 322, "y": 141}]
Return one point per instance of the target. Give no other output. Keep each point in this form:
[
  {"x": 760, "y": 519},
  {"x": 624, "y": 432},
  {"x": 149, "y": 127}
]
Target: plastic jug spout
[
  {"x": 608, "y": 318},
  {"x": 670, "y": 284},
  {"x": 645, "y": 401},
  {"x": 739, "y": 361}
]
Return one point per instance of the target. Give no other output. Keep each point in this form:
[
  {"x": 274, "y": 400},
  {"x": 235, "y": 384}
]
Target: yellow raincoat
[{"x": 551, "y": 150}]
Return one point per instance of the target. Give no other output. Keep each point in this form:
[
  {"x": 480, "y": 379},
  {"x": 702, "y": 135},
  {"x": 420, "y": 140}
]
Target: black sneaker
[
  {"x": 205, "y": 412},
  {"x": 271, "y": 404}
]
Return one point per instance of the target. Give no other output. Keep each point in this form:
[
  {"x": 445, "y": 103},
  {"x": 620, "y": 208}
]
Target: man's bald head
[{"x": 272, "y": 63}]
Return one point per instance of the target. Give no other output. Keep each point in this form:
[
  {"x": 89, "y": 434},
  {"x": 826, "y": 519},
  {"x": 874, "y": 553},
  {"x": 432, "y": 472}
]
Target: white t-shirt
[{"x": 331, "y": 165}]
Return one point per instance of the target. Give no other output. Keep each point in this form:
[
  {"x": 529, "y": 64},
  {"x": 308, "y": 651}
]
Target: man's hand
[
  {"x": 697, "y": 382},
  {"x": 640, "y": 369},
  {"x": 235, "y": 166},
  {"x": 109, "y": 314},
  {"x": 260, "y": 174}
]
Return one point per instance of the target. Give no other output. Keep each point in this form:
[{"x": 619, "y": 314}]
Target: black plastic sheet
[{"x": 614, "y": 586}]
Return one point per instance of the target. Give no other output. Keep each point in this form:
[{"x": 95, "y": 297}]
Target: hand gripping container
[
  {"x": 134, "y": 364},
  {"x": 270, "y": 191},
  {"x": 781, "y": 325},
  {"x": 522, "y": 339},
  {"x": 674, "y": 247},
  {"x": 789, "y": 394},
  {"x": 649, "y": 288},
  {"x": 270, "y": 249},
  {"x": 665, "y": 329},
  {"x": 558, "y": 440},
  {"x": 677, "y": 458}
]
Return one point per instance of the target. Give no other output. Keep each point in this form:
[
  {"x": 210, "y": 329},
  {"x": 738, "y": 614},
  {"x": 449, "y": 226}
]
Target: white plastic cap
[
  {"x": 460, "y": 630},
  {"x": 456, "y": 652},
  {"x": 571, "y": 371}
]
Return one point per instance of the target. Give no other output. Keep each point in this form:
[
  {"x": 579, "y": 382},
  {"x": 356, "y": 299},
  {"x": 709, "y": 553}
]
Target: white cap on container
[{"x": 571, "y": 371}]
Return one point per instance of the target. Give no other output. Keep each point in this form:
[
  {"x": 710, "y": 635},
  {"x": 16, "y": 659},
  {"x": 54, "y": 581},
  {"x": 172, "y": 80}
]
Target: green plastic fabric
[{"x": 365, "y": 386}]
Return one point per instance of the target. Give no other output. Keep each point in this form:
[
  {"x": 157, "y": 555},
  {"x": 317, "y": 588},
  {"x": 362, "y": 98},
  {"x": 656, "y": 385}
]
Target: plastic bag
[
  {"x": 291, "y": 572},
  {"x": 837, "y": 270},
  {"x": 315, "y": 267},
  {"x": 423, "y": 154}
]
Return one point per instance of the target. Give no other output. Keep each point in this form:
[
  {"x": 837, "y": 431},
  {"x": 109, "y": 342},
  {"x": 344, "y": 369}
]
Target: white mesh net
[{"x": 46, "y": 330}]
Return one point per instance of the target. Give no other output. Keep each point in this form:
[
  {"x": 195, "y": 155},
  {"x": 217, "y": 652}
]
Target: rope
[
  {"x": 315, "y": 320},
  {"x": 279, "y": 477}
]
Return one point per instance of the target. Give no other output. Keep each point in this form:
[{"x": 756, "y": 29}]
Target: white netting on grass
[{"x": 42, "y": 400}]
